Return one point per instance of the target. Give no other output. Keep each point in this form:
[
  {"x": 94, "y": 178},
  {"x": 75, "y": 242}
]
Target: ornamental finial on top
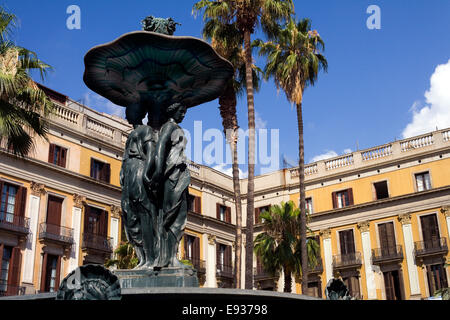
[{"x": 159, "y": 25}]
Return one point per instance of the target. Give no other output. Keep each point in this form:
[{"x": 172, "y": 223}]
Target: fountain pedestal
[{"x": 164, "y": 277}]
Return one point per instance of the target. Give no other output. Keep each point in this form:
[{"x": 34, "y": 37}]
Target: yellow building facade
[{"x": 380, "y": 215}]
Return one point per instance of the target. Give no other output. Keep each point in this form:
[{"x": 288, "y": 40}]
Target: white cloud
[
  {"x": 347, "y": 151},
  {"x": 229, "y": 171},
  {"x": 327, "y": 155},
  {"x": 437, "y": 111},
  {"x": 99, "y": 103},
  {"x": 259, "y": 122}
]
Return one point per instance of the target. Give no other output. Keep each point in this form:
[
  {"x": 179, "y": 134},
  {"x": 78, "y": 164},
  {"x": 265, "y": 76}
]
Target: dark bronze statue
[{"x": 159, "y": 76}]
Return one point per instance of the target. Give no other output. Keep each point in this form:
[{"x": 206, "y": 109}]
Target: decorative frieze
[
  {"x": 364, "y": 226},
  {"x": 405, "y": 218},
  {"x": 326, "y": 233},
  {"x": 78, "y": 200},
  {"x": 37, "y": 189},
  {"x": 116, "y": 211}
]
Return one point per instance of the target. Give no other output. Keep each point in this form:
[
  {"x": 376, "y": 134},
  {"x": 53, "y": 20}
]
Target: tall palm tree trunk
[
  {"x": 287, "y": 280},
  {"x": 237, "y": 193},
  {"x": 251, "y": 163},
  {"x": 227, "y": 108},
  {"x": 301, "y": 169}
]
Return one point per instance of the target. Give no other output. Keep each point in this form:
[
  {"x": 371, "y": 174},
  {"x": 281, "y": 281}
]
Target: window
[
  {"x": 392, "y": 285},
  {"x": 430, "y": 230},
  {"x": 100, "y": 170},
  {"x": 57, "y": 155},
  {"x": 8, "y": 203},
  {"x": 342, "y": 199},
  {"x": 194, "y": 204},
  {"x": 223, "y": 258},
  {"x": 10, "y": 259},
  {"x": 12, "y": 203},
  {"x": 309, "y": 205},
  {"x": 315, "y": 289},
  {"x": 387, "y": 238},
  {"x": 352, "y": 284},
  {"x": 423, "y": 181},
  {"x": 6, "y": 260},
  {"x": 54, "y": 207},
  {"x": 437, "y": 278},
  {"x": 381, "y": 190},
  {"x": 51, "y": 265},
  {"x": 347, "y": 242},
  {"x": 258, "y": 212},
  {"x": 191, "y": 248},
  {"x": 95, "y": 221},
  {"x": 223, "y": 213}
]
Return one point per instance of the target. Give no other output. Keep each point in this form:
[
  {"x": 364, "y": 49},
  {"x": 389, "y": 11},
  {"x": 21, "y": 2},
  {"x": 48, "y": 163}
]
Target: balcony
[
  {"x": 199, "y": 265},
  {"x": 15, "y": 224},
  {"x": 437, "y": 246},
  {"x": 259, "y": 273},
  {"x": 224, "y": 271},
  {"x": 318, "y": 267},
  {"x": 54, "y": 233},
  {"x": 386, "y": 255},
  {"x": 347, "y": 261},
  {"x": 95, "y": 242},
  {"x": 9, "y": 290}
]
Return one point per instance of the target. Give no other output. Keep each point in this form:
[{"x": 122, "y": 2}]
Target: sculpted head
[{"x": 176, "y": 111}]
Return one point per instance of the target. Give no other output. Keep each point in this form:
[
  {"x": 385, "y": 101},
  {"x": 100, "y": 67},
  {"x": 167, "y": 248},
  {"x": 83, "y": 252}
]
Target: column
[
  {"x": 211, "y": 281},
  {"x": 446, "y": 212},
  {"x": 76, "y": 225},
  {"x": 367, "y": 254},
  {"x": 37, "y": 189},
  {"x": 327, "y": 252},
  {"x": 405, "y": 220},
  {"x": 114, "y": 231}
]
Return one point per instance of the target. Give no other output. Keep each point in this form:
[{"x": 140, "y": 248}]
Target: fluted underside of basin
[{"x": 154, "y": 69}]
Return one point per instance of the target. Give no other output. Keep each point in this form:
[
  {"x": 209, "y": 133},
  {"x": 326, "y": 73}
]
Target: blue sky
[{"x": 375, "y": 85}]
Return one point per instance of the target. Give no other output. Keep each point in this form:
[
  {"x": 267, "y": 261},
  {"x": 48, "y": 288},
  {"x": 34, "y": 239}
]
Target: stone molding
[
  {"x": 37, "y": 189},
  {"x": 78, "y": 200},
  {"x": 364, "y": 226},
  {"x": 405, "y": 218},
  {"x": 326, "y": 233}
]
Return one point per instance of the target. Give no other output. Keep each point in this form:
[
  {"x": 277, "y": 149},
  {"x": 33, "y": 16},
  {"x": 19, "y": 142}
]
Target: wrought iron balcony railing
[
  {"x": 57, "y": 233},
  {"x": 429, "y": 247},
  {"x": 224, "y": 270},
  {"x": 97, "y": 242},
  {"x": 349, "y": 260},
  {"x": 318, "y": 268},
  {"x": 9, "y": 290},
  {"x": 388, "y": 254},
  {"x": 260, "y": 273},
  {"x": 14, "y": 223},
  {"x": 199, "y": 265}
]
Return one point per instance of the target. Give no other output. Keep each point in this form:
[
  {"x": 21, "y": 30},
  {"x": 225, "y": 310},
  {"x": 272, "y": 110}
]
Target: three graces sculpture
[{"x": 159, "y": 76}]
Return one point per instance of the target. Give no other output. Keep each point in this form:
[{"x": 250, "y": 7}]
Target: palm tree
[
  {"x": 23, "y": 106},
  {"x": 247, "y": 15},
  {"x": 279, "y": 245},
  {"x": 125, "y": 257},
  {"x": 227, "y": 41},
  {"x": 294, "y": 60}
]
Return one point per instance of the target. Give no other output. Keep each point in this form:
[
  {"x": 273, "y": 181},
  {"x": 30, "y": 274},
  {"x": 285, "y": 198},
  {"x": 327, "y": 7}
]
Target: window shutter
[
  {"x": 14, "y": 271},
  {"x": 197, "y": 205},
  {"x": 19, "y": 207},
  {"x": 228, "y": 214},
  {"x": 228, "y": 256},
  {"x": 62, "y": 161},
  {"x": 218, "y": 267},
  {"x": 107, "y": 172},
  {"x": 51, "y": 153},
  {"x": 44, "y": 271},
  {"x": 58, "y": 273},
  {"x": 186, "y": 252},
  {"x": 196, "y": 249},
  {"x": 104, "y": 223},
  {"x": 350, "y": 196},
  {"x": 257, "y": 212},
  {"x": 54, "y": 210},
  {"x": 333, "y": 196},
  {"x": 218, "y": 210},
  {"x": 92, "y": 168}
]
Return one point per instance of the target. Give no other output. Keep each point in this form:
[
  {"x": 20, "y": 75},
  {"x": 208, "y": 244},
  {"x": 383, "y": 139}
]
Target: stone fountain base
[{"x": 164, "y": 277}]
